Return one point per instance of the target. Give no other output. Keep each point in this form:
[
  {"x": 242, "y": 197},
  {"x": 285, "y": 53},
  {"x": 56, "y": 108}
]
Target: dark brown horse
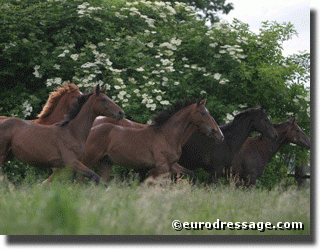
[
  {"x": 255, "y": 154},
  {"x": 57, "y": 106},
  {"x": 203, "y": 152},
  {"x": 57, "y": 145},
  {"x": 156, "y": 147}
]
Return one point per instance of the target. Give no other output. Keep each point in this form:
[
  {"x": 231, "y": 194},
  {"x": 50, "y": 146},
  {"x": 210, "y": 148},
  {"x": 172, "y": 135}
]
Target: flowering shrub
[{"x": 148, "y": 54}]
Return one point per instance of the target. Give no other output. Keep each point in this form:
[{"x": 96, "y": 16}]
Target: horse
[
  {"x": 61, "y": 144},
  {"x": 156, "y": 147},
  {"x": 255, "y": 154},
  {"x": 57, "y": 106},
  {"x": 202, "y": 152}
]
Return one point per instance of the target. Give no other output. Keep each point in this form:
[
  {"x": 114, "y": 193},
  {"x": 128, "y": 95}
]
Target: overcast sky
[{"x": 295, "y": 11}]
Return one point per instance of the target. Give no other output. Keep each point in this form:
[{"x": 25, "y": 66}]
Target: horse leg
[
  {"x": 178, "y": 169},
  {"x": 50, "y": 178},
  {"x": 78, "y": 166},
  {"x": 105, "y": 168},
  {"x": 143, "y": 174}
]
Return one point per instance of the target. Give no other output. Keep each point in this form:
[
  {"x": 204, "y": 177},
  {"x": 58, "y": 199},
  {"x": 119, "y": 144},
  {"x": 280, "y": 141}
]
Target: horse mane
[
  {"x": 166, "y": 114},
  {"x": 240, "y": 116},
  {"x": 75, "y": 109},
  {"x": 282, "y": 124},
  {"x": 55, "y": 97}
]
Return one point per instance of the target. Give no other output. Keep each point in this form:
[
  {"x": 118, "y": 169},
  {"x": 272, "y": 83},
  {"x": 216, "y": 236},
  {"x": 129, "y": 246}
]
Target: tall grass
[{"x": 131, "y": 208}]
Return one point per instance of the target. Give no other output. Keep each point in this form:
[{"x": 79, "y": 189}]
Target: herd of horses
[{"x": 81, "y": 131}]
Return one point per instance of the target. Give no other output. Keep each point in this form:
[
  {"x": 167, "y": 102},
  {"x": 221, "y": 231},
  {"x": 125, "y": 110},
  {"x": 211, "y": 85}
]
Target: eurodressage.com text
[{"x": 222, "y": 225}]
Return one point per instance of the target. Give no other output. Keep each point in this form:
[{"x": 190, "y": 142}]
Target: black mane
[
  {"x": 75, "y": 109},
  {"x": 282, "y": 124},
  {"x": 166, "y": 114},
  {"x": 241, "y": 115}
]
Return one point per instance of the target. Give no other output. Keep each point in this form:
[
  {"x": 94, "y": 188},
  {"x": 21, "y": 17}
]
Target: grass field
[{"x": 128, "y": 208}]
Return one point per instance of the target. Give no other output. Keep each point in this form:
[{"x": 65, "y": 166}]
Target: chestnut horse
[
  {"x": 156, "y": 147},
  {"x": 57, "y": 145},
  {"x": 57, "y": 106},
  {"x": 203, "y": 152},
  {"x": 255, "y": 154}
]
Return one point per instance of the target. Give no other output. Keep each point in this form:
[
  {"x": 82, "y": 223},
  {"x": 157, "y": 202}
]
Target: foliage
[{"x": 148, "y": 54}]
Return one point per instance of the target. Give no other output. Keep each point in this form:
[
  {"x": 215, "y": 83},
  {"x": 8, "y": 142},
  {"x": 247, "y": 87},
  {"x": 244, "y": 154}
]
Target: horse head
[
  {"x": 104, "y": 106},
  {"x": 296, "y": 135},
  {"x": 205, "y": 122},
  {"x": 262, "y": 123}
]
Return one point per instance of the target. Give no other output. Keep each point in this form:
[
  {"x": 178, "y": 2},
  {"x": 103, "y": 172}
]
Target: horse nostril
[{"x": 121, "y": 114}]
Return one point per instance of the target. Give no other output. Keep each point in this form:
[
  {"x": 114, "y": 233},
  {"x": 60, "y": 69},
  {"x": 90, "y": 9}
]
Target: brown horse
[
  {"x": 156, "y": 147},
  {"x": 57, "y": 145},
  {"x": 255, "y": 154},
  {"x": 57, "y": 106}
]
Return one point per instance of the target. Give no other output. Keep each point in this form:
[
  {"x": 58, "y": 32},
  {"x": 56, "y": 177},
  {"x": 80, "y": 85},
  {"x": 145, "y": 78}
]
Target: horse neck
[
  {"x": 81, "y": 125},
  {"x": 179, "y": 128},
  {"x": 282, "y": 140},
  {"x": 237, "y": 132}
]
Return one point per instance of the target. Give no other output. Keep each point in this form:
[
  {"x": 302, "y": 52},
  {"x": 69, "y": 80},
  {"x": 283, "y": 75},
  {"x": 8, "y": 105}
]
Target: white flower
[
  {"x": 36, "y": 72},
  {"x": 217, "y": 76},
  {"x": 27, "y": 109},
  {"x": 213, "y": 44},
  {"x": 165, "y": 102},
  {"x": 229, "y": 117},
  {"x": 168, "y": 52},
  {"x": 117, "y": 87},
  {"x": 176, "y": 83},
  {"x": 223, "y": 81},
  {"x": 162, "y": 15},
  {"x": 150, "y": 45},
  {"x": 56, "y": 66},
  {"x": 140, "y": 69},
  {"x": 242, "y": 106},
  {"x": 159, "y": 98},
  {"x": 202, "y": 92},
  {"x": 74, "y": 57}
]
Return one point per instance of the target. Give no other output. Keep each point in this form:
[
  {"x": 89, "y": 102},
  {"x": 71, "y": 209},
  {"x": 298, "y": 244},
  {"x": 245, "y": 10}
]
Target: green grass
[{"x": 127, "y": 208}]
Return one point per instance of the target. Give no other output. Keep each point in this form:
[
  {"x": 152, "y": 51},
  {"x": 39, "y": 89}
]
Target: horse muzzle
[
  {"x": 216, "y": 135},
  {"x": 119, "y": 115}
]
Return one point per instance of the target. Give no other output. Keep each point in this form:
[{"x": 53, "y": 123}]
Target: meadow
[{"x": 130, "y": 208}]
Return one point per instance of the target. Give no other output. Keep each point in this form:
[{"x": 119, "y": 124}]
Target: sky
[{"x": 295, "y": 11}]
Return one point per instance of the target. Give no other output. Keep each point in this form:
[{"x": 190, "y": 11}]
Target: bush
[{"x": 148, "y": 54}]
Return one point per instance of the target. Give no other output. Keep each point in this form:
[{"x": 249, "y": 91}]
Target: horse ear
[
  {"x": 294, "y": 119},
  {"x": 97, "y": 90},
  {"x": 104, "y": 90},
  {"x": 203, "y": 102}
]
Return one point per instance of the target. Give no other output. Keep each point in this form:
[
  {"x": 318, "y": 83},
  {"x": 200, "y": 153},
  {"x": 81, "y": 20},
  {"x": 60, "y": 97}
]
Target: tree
[{"x": 208, "y": 9}]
